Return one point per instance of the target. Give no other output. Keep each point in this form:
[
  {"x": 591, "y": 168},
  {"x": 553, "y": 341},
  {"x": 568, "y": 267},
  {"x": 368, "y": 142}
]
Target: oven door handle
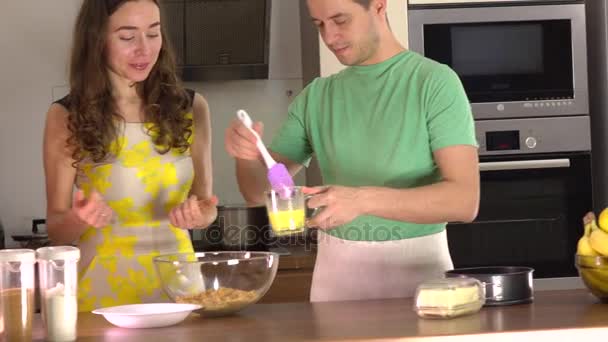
[{"x": 524, "y": 164}]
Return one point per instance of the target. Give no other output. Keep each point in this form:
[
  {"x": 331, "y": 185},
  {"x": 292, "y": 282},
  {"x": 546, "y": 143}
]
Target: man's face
[{"x": 347, "y": 28}]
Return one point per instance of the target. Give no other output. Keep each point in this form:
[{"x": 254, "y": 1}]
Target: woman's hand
[
  {"x": 193, "y": 213},
  {"x": 92, "y": 211}
]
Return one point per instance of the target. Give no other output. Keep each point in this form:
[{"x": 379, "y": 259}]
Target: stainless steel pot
[
  {"x": 504, "y": 285},
  {"x": 238, "y": 227}
]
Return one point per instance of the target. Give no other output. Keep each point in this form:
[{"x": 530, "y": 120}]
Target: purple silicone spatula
[{"x": 278, "y": 176}]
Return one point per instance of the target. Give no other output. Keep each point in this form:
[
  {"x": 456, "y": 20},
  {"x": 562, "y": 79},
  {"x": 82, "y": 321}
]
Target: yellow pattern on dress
[{"x": 141, "y": 186}]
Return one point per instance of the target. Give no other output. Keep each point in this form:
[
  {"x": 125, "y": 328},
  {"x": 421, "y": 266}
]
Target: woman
[{"x": 137, "y": 147}]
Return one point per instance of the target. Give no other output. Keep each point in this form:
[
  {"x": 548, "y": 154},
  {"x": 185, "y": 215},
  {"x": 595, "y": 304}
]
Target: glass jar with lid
[
  {"x": 17, "y": 283},
  {"x": 58, "y": 277}
]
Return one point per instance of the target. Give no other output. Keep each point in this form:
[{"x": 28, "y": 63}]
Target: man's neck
[
  {"x": 389, "y": 47},
  {"x": 391, "y": 51}
]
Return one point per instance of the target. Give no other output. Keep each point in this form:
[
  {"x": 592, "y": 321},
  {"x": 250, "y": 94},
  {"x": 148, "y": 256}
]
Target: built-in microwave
[{"x": 515, "y": 59}]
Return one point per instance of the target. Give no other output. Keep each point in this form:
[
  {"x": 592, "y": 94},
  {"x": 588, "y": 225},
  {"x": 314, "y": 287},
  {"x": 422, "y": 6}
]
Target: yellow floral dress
[{"x": 141, "y": 186}]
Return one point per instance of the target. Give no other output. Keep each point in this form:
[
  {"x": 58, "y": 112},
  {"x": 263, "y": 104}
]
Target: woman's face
[{"x": 133, "y": 40}]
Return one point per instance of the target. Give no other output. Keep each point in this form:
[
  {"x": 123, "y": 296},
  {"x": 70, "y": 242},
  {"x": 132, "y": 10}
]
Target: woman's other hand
[
  {"x": 93, "y": 210},
  {"x": 194, "y": 213}
]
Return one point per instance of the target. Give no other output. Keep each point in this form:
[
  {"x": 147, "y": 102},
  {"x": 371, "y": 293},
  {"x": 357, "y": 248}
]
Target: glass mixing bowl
[
  {"x": 594, "y": 272},
  {"x": 222, "y": 282}
]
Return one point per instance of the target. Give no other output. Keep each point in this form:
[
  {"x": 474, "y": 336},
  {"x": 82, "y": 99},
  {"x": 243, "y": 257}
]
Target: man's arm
[
  {"x": 291, "y": 142},
  {"x": 454, "y": 198}
]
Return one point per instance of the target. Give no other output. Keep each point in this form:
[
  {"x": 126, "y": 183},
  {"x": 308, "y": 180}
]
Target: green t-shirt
[{"x": 378, "y": 125}]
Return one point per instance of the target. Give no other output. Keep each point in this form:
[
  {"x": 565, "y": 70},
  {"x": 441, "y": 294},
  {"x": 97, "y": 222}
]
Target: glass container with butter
[{"x": 449, "y": 297}]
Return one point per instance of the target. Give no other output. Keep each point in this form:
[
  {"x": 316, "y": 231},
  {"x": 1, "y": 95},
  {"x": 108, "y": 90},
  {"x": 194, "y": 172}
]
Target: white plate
[{"x": 152, "y": 315}]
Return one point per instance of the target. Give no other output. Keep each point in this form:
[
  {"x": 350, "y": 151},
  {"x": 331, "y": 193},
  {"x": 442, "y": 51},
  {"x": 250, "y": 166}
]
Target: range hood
[{"x": 219, "y": 39}]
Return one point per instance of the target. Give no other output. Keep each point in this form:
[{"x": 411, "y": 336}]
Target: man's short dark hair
[{"x": 364, "y": 3}]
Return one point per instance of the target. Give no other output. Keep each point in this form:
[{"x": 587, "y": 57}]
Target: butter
[{"x": 450, "y": 297}]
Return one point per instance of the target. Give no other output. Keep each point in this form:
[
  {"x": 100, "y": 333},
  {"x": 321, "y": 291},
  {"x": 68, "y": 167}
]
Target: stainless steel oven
[
  {"x": 515, "y": 59},
  {"x": 523, "y": 65},
  {"x": 535, "y": 189}
]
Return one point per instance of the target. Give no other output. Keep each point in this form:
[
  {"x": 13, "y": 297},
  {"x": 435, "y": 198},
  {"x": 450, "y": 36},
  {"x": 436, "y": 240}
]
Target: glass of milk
[{"x": 58, "y": 281}]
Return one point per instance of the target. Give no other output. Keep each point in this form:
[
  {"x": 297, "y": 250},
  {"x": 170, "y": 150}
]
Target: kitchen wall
[
  {"x": 264, "y": 100},
  {"x": 35, "y": 36}
]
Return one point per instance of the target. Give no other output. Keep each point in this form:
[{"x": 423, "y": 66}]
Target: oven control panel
[
  {"x": 539, "y": 135},
  {"x": 502, "y": 140}
]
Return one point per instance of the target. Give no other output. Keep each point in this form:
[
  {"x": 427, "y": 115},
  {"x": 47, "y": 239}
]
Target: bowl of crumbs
[{"x": 222, "y": 283}]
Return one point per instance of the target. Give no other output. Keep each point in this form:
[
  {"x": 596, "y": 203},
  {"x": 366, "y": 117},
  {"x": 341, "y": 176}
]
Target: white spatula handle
[{"x": 246, "y": 120}]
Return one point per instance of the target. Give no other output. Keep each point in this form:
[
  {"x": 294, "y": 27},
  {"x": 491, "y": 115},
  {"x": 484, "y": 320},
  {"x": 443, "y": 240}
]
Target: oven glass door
[
  {"x": 506, "y": 61},
  {"x": 530, "y": 214}
]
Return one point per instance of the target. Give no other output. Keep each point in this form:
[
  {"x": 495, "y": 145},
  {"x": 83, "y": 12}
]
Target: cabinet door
[
  {"x": 289, "y": 286},
  {"x": 173, "y": 10}
]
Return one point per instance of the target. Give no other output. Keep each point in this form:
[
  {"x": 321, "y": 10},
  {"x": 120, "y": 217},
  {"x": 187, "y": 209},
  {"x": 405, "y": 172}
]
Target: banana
[
  {"x": 598, "y": 240},
  {"x": 589, "y": 216},
  {"x": 583, "y": 246},
  {"x": 596, "y": 281},
  {"x": 594, "y": 242},
  {"x": 603, "y": 220},
  {"x": 594, "y": 226},
  {"x": 600, "y": 274}
]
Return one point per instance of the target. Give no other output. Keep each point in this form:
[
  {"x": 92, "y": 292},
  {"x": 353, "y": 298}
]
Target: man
[{"x": 394, "y": 137}]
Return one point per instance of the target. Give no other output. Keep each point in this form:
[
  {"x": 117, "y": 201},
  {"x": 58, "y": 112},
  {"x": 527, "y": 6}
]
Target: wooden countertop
[{"x": 560, "y": 315}]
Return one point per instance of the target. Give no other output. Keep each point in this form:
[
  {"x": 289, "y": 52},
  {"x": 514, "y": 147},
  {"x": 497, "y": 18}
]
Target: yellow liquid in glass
[{"x": 287, "y": 221}]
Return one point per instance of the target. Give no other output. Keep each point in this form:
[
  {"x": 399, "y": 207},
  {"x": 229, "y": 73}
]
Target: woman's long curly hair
[{"x": 92, "y": 109}]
